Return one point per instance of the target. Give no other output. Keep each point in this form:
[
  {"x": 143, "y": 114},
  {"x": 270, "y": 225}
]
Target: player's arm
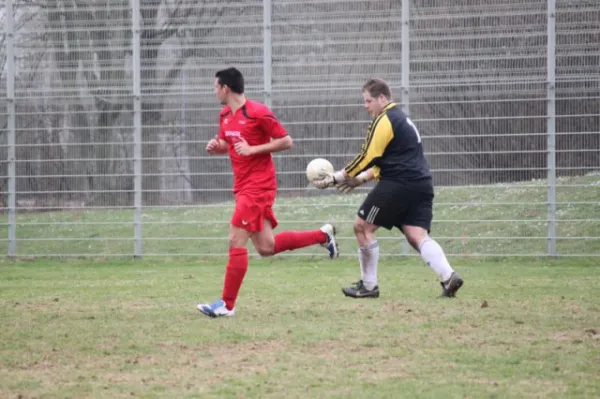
[
  {"x": 350, "y": 183},
  {"x": 217, "y": 146},
  {"x": 270, "y": 125},
  {"x": 275, "y": 145},
  {"x": 280, "y": 139},
  {"x": 367, "y": 175},
  {"x": 378, "y": 138}
]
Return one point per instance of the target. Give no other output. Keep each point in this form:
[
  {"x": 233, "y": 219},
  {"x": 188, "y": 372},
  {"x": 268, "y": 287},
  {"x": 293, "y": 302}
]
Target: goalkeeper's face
[{"x": 374, "y": 104}]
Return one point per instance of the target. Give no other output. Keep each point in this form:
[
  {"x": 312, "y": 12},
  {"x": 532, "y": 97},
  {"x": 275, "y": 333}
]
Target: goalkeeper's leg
[
  {"x": 368, "y": 257},
  {"x": 416, "y": 226},
  {"x": 379, "y": 209}
]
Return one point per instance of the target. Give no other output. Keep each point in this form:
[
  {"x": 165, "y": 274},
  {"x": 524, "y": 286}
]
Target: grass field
[
  {"x": 104, "y": 327},
  {"x": 501, "y": 219},
  {"x": 114, "y": 329}
]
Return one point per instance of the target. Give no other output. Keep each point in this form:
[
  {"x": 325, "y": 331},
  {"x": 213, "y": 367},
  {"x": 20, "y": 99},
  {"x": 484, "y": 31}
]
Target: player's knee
[
  {"x": 413, "y": 242},
  {"x": 415, "y": 236},
  {"x": 233, "y": 243},
  {"x": 236, "y": 241},
  {"x": 362, "y": 231},
  {"x": 359, "y": 228},
  {"x": 266, "y": 250}
]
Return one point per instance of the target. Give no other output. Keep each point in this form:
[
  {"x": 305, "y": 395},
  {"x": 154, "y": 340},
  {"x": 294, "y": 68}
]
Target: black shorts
[{"x": 392, "y": 204}]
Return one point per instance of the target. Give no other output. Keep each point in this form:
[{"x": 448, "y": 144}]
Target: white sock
[
  {"x": 434, "y": 256},
  {"x": 369, "y": 257},
  {"x": 362, "y": 260}
]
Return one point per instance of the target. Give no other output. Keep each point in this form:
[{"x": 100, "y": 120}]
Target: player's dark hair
[
  {"x": 231, "y": 78},
  {"x": 376, "y": 87}
]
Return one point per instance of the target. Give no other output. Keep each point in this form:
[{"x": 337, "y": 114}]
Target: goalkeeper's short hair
[{"x": 376, "y": 87}]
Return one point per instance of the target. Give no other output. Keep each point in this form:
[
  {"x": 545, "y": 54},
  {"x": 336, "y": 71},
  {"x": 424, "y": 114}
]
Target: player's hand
[
  {"x": 352, "y": 182},
  {"x": 213, "y": 145},
  {"x": 243, "y": 148},
  {"x": 324, "y": 180},
  {"x": 346, "y": 186}
]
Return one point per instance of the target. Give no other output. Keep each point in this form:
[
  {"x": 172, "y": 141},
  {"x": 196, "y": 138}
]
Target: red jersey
[{"x": 255, "y": 123}]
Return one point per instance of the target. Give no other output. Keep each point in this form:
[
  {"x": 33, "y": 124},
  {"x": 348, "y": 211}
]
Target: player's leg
[
  {"x": 431, "y": 252},
  {"x": 235, "y": 272},
  {"x": 376, "y": 211},
  {"x": 416, "y": 226},
  {"x": 268, "y": 244},
  {"x": 291, "y": 240},
  {"x": 264, "y": 241},
  {"x": 368, "y": 257},
  {"x": 243, "y": 224}
]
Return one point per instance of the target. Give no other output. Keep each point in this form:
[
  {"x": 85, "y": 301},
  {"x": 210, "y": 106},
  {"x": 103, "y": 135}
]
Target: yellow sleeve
[
  {"x": 379, "y": 135},
  {"x": 376, "y": 172}
]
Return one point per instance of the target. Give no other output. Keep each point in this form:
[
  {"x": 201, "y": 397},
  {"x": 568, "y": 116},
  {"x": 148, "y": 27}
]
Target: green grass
[
  {"x": 115, "y": 328},
  {"x": 106, "y": 328},
  {"x": 502, "y": 219}
]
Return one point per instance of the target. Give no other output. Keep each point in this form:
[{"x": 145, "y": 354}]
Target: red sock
[
  {"x": 234, "y": 275},
  {"x": 290, "y": 240}
]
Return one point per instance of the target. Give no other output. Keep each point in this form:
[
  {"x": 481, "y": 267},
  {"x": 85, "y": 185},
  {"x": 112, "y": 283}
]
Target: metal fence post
[
  {"x": 551, "y": 126},
  {"x": 137, "y": 128},
  {"x": 405, "y": 69},
  {"x": 11, "y": 125},
  {"x": 267, "y": 51},
  {"x": 405, "y": 56}
]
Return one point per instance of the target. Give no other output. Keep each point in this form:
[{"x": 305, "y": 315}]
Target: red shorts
[{"x": 251, "y": 210}]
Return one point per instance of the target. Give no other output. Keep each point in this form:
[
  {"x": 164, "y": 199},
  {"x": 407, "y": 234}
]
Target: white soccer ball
[{"x": 316, "y": 167}]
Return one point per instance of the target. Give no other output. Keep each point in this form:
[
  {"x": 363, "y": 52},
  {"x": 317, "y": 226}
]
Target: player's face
[
  {"x": 221, "y": 92},
  {"x": 374, "y": 105}
]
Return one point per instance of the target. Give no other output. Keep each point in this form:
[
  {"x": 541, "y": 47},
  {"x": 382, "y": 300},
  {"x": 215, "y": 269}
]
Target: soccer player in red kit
[{"x": 250, "y": 132}]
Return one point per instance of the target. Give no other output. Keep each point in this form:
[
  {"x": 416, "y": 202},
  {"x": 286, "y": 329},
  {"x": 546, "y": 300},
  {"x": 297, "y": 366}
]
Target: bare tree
[{"x": 88, "y": 58}]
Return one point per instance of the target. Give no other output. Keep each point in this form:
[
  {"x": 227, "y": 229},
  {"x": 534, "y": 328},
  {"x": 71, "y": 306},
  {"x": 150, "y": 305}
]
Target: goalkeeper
[{"x": 403, "y": 196}]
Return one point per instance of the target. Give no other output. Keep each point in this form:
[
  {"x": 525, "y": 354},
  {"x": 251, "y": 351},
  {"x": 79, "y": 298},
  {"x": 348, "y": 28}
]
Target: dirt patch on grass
[
  {"x": 369, "y": 361},
  {"x": 252, "y": 356},
  {"x": 395, "y": 307},
  {"x": 193, "y": 368},
  {"x": 577, "y": 336},
  {"x": 197, "y": 368}
]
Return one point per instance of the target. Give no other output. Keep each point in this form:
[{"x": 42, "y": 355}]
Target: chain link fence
[{"x": 106, "y": 106}]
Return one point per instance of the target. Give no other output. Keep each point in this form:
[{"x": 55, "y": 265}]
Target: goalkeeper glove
[
  {"x": 329, "y": 179},
  {"x": 352, "y": 182}
]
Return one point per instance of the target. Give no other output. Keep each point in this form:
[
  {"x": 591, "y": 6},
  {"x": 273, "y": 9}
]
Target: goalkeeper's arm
[
  {"x": 367, "y": 175},
  {"x": 350, "y": 183},
  {"x": 363, "y": 177},
  {"x": 343, "y": 181}
]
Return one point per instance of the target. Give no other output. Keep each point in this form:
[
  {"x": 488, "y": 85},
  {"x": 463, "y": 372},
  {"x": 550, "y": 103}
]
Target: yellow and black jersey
[{"x": 393, "y": 146}]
